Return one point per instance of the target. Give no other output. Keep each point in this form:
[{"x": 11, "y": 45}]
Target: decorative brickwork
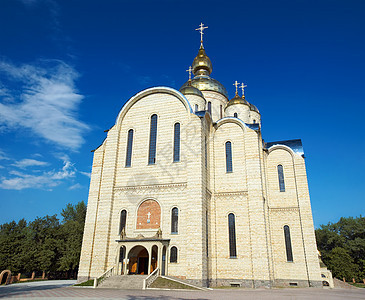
[{"x": 149, "y": 215}]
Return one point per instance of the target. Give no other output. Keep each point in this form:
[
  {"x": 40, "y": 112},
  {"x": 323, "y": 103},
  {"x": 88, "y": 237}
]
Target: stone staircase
[{"x": 126, "y": 282}]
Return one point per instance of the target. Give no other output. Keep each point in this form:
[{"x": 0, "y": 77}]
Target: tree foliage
[
  {"x": 342, "y": 246},
  {"x": 45, "y": 244}
]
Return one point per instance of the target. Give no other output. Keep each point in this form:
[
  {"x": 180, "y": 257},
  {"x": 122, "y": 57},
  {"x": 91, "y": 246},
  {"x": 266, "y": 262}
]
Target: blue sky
[{"x": 67, "y": 67}]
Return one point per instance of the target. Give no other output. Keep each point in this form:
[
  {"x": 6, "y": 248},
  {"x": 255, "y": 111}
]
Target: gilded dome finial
[
  {"x": 243, "y": 90},
  {"x": 201, "y": 29},
  {"x": 236, "y": 84},
  {"x": 189, "y": 70},
  {"x": 202, "y": 64}
]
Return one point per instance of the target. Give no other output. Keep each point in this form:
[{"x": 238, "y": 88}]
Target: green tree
[
  {"x": 72, "y": 232},
  {"x": 342, "y": 246}
]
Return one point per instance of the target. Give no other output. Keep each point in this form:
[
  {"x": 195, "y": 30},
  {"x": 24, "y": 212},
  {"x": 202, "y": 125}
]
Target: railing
[
  {"x": 151, "y": 278},
  {"x": 105, "y": 275}
]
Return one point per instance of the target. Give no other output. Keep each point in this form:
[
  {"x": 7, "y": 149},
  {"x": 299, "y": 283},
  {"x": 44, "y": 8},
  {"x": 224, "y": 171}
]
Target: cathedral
[{"x": 185, "y": 184}]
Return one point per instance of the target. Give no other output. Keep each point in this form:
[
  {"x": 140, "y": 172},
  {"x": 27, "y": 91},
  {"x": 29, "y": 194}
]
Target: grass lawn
[
  {"x": 162, "y": 283},
  {"x": 86, "y": 283}
]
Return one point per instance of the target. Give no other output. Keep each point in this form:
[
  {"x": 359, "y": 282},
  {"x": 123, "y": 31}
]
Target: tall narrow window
[
  {"x": 196, "y": 107},
  {"x": 153, "y": 137},
  {"x": 232, "y": 236},
  {"x": 173, "y": 254},
  {"x": 174, "y": 220},
  {"x": 289, "y": 253},
  {"x": 281, "y": 178},
  {"x": 206, "y": 232},
  {"x": 229, "y": 157},
  {"x": 221, "y": 111},
  {"x": 123, "y": 219},
  {"x": 128, "y": 158},
  {"x": 177, "y": 142},
  {"x": 206, "y": 152},
  {"x": 235, "y": 115},
  {"x": 210, "y": 107}
]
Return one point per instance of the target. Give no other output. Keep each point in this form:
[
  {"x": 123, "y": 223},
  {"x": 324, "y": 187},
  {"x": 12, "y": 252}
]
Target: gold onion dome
[
  {"x": 202, "y": 64},
  {"x": 190, "y": 90},
  {"x": 202, "y": 67},
  {"x": 238, "y": 100}
]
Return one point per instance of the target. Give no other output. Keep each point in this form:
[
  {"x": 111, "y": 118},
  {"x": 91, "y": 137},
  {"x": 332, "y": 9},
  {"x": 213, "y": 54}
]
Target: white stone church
[{"x": 185, "y": 183}]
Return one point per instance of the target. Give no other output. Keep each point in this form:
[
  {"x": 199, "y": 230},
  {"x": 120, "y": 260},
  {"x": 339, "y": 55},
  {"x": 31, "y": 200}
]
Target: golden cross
[
  {"x": 201, "y": 29},
  {"x": 243, "y": 89},
  {"x": 189, "y": 70},
  {"x": 236, "y": 84}
]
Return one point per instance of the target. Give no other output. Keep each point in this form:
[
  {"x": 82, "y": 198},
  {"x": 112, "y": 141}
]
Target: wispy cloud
[
  {"x": 46, "y": 102},
  {"x": 75, "y": 186},
  {"x": 87, "y": 174},
  {"x": 27, "y": 162},
  {"x": 46, "y": 180},
  {"x": 3, "y": 156}
]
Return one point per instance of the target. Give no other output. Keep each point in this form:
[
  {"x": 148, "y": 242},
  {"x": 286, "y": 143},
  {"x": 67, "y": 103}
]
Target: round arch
[
  {"x": 282, "y": 147},
  {"x": 149, "y": 91},
  {"x": 138, "y": 258}
]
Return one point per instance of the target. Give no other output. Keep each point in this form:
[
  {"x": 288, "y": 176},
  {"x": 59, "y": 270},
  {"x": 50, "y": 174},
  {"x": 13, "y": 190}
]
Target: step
[{"x": 127, "y": 282}]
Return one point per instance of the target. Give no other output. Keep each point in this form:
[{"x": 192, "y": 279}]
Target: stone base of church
[
  {"x": 296, "y": 283},
  {"x": 245, "y": 283}
]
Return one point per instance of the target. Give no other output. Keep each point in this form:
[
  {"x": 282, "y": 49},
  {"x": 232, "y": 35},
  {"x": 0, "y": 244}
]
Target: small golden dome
[
  {"x": 237, "y": 100},
  {"x": 190, "y": 90},
  {"x": 202, "y": 64}
]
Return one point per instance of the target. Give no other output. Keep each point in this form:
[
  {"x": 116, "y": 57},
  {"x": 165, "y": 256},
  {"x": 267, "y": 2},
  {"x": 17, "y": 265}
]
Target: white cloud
[
  {"x": 27, "y": 162},
  {"x": 75, "y": 186},
  {"x": 46, "y": 102},
  {"x": 87, "y": 174},
  {"x": 46, "y": 180},
  {"x": 3, "y": 156}
]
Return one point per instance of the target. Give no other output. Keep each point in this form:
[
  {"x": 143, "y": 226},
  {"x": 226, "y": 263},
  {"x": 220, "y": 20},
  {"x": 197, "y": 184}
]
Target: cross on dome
[
  {"x": 201, "y": 29},
  {"x": 236, "y": 84},
  {"x": 189, "y": 70},
  {"x": 243, "y": 89}
]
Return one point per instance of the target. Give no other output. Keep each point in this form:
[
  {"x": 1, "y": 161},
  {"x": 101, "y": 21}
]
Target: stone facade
[{"x": 203, "y": 192}]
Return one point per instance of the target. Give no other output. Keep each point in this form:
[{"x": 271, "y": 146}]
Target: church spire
[{"x": 202, "y": 64}]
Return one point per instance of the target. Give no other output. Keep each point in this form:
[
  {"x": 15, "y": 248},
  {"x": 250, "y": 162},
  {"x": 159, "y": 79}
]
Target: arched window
[
  {"x": 228, "y": 157},
  {"x": 128, "y": 158},
  {"x": 196, "y": 107},
  {"x": 254, "y": 121},
  {"x": 123, "y": 220},
  {"x": 235, "y": 115},
  {"x": 221, "y": 111},
  {"x": 177, "y": 142},
  {"x": 173, "y": 254},
  {"x": 289, "y": 253},
  {"x": 210, "y": 107},
  {"x": 153, "y": 137},
  {"x": 281, "y": 178},
  {"x": 232, "y": 236},
  {"x": 174, "y": 220}
]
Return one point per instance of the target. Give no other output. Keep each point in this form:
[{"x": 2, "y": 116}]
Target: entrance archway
[{"x": 138, "y": 260}]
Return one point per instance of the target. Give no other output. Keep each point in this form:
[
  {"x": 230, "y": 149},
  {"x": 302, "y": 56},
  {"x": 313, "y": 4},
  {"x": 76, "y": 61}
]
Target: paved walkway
[{"x": 61, "y": 289}]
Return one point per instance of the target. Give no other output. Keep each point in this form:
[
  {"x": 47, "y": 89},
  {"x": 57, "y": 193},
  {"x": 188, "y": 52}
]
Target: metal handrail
[{"x": 151, "y": 278}]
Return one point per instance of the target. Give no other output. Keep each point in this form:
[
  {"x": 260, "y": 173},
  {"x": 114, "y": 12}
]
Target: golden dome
[
  {"x": 190, "y": 90},
  {"x": 237, "y": 100},
  {"x": 202, "y": 64}
]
